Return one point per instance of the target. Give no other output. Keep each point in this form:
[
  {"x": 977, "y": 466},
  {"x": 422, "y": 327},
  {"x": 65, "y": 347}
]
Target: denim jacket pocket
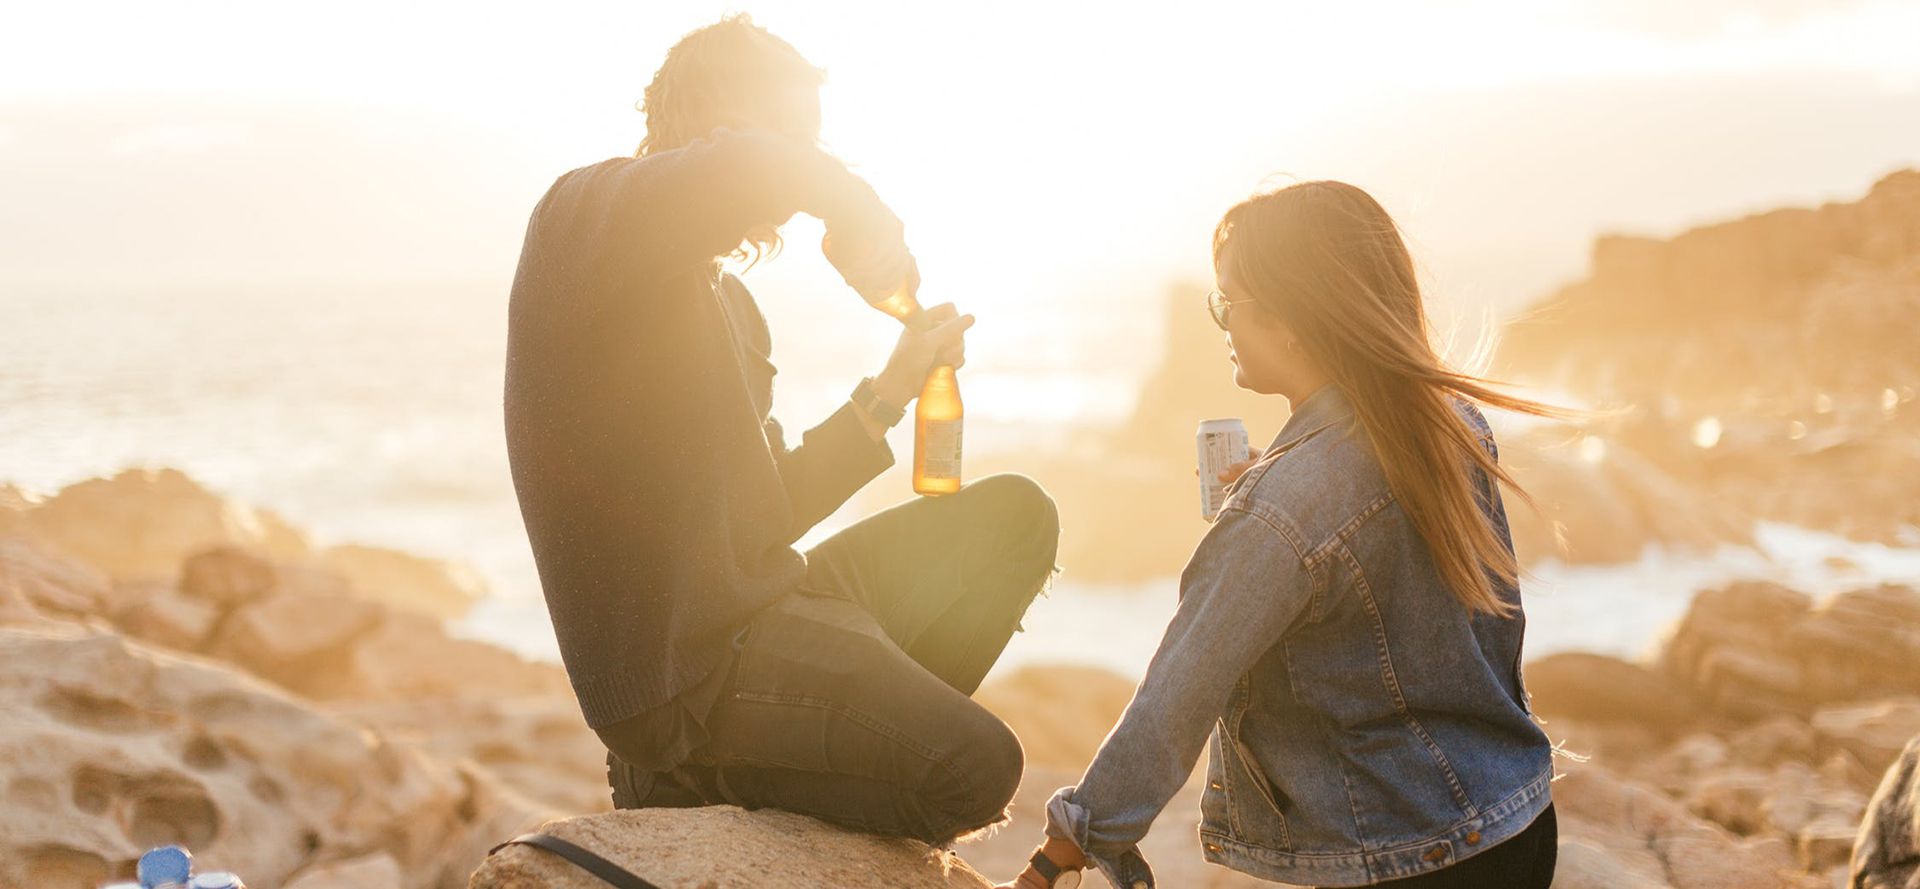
[{"x": 1252, "y": 807}]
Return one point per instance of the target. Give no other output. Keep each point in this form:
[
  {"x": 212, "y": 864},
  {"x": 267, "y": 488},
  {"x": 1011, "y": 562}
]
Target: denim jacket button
[
  {"x": 1435, "y": 854},
  {"x": 1216, "y": 785},
  {"x": 1473, "y": 837},
  {"x": 1212, "y": 848}
]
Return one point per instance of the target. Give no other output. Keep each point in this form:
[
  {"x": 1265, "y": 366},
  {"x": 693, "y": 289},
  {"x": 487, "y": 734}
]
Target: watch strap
[
  {"x": 1045, "y": 866},
  {"x": 1050, "y": 871},
  {"x": 868, "y": 400}
]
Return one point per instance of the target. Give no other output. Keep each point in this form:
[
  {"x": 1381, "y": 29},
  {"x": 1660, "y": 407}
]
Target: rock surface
[
  {"x": 239, "y": 690},
  {"x": 112, "y": 747},
  {"x": 141, "y": 523},
  {"x": 723, "y": 847},
  {"x": 1767, "y": 361},
  {"x": 1887, "y": 855}
]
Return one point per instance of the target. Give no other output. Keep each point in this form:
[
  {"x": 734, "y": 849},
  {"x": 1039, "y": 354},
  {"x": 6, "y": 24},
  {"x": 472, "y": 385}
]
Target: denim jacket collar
[{"x": 1326, "y": 406}]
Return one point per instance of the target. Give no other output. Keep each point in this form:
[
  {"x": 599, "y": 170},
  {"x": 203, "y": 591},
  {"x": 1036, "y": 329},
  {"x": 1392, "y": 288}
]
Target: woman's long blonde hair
[{"x": 1328, "y": 261}]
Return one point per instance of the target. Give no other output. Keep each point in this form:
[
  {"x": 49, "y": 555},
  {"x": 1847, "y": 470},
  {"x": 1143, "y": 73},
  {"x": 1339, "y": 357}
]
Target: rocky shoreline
[{"x": 178, "y": 667}]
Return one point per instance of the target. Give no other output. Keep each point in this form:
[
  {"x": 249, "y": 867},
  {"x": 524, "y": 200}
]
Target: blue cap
[
  {"x": 216, "y": 879},
  {"x": 164, "y": 864}
]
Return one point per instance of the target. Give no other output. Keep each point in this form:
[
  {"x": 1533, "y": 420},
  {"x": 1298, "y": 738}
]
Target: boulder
[
  {"x": 14, "y": 504},
  {"x": 51, "y": 581},
  {"x": 407, "y": 656},
  {"x": 1874, "y": 733},
  {"x": 1886, "y": 854},
  {"x": 723, "y": 847},
  {"x": 110, "y": 747},
  {"x": 283, "y": 637},
  {"x": 228, "y": 576},
  {"x": 433, "y": 587},
  {"x": 366, "y": 872},
  {"x": 1754, "y": 649},
  {"x": 538, "y": 745},
  {"x": 158, "y": 613},
  {"x": 1595, "y": 688},
  {"x": 1651, "y": 837},
  {"x": 142, "y": 523}
]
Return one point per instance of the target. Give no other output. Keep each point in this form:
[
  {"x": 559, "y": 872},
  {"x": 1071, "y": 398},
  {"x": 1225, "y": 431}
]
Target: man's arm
[
  {"x": 682, "y": 208},
  {"x": 834, "y": 460},
  {"x": 1243, "y": 587},
  {"x": 839, "y": 456}
]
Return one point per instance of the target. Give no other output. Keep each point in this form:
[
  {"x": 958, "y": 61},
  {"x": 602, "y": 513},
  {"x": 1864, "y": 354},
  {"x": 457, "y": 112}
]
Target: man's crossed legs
[{"x": 848, "y": 701}]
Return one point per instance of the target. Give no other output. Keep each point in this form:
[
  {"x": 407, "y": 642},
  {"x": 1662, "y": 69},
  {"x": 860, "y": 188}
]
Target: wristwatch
[
  {"x": 1056, "y": 876},
  {"x": 867, "y": 400}
]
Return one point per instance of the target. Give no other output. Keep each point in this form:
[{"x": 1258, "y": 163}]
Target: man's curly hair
[{"x": 730, "y": 71}]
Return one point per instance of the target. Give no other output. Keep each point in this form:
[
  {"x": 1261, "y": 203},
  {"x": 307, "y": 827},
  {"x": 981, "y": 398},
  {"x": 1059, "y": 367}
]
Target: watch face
[{"x": 1068, "y": 880}]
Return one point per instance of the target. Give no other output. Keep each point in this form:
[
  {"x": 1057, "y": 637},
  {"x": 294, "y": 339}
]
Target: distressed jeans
[{"x": 849, "y": 699}]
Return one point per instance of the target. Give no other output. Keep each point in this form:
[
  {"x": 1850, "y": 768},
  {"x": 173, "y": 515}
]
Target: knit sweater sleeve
[{"x": 697, "y": 202}]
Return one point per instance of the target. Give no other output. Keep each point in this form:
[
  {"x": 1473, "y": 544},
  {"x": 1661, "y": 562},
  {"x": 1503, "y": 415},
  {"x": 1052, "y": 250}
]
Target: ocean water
[{"x": 371, "y": 412}]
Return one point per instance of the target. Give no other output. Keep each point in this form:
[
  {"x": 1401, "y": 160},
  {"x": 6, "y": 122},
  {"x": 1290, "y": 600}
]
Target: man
[{"x": 718, "y": 664}]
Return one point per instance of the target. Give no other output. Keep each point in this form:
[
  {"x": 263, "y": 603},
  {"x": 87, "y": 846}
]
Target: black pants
[
  {"x": 1524, "y": 861},
  {"x": 848, "y": 701}
]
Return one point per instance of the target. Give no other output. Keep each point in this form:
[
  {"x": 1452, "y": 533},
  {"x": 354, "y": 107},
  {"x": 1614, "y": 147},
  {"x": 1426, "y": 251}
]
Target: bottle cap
[{"x": 164, "y": 864}]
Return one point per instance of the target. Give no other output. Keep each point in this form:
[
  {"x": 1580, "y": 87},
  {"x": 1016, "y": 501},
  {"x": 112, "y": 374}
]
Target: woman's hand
[
  {"x": 1232, "y": 473},
  {"x": 942, "y": 341}
]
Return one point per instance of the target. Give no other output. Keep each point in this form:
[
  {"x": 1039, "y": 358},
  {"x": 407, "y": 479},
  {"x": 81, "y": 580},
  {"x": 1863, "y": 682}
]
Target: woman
[{"x": 1347, "y": 644}]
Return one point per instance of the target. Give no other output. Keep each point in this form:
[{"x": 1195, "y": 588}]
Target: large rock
[
  {"x": 723, "y": 847},
  {"x": 1754, "y": 649},
  {"x": 432, "y": 587},
  {"x": 536, "y": 744},
  {"x": 159, "y": 613},
  {"x": 50, "y": 581},
  {"x": 228, "y": 576},
  {"x": 1600, "y": 502},
  {"x": 286, "y": 637},
  {"x": 1785, "y": 338},
  {"x": 1628, "y": 834},
  {"x": 110, "y": 747},
  {"x": 141, "y": 523},
  {"x": 1887, "y": 853},
  {"x": 1596, "y": 688},
  {"x": 366, "y": 872},
  {"x": 409, "y": 656}
]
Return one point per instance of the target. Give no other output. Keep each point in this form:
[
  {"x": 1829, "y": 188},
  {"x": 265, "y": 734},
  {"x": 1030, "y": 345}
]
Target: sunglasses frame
[{"x": 1219, "y": 306}]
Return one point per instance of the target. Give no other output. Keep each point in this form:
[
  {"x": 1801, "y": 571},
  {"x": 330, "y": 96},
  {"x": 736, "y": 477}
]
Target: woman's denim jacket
[{"x": 1361, "y": 724}]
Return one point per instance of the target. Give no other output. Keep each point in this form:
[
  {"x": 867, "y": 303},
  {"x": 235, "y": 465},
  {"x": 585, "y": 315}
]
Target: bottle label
[{"x": 940, "y": 453}]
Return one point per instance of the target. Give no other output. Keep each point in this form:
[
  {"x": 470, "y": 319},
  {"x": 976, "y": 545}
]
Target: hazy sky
[{"x": 1034, "y": 149}]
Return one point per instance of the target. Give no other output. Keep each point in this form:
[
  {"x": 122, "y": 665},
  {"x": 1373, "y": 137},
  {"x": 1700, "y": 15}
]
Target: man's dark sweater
[{"x": 660, "y": 500}]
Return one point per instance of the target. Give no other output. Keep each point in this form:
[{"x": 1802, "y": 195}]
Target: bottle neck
[{"x": 942, "y": 378}]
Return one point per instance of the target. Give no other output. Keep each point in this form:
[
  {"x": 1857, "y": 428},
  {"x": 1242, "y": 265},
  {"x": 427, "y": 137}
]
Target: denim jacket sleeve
[{"x": 1244, "y": 585}]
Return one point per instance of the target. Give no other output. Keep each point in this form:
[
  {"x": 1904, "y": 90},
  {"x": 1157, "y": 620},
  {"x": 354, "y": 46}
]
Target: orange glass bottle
[
  {"x": 938, "y": 420},
  {"x": 939, "y": 417}
]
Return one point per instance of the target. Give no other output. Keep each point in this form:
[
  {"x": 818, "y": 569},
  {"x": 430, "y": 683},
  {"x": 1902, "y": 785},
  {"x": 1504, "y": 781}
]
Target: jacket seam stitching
[{"x": 1392, "y": 680}]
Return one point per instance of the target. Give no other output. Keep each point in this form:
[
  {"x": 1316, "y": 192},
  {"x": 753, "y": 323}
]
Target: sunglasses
[{"x": 1218, "y": 304}]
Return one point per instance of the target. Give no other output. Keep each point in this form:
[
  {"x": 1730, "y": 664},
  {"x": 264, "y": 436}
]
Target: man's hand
[
  {"x": 943, "y": 341},
  {"x": 872, "y": 258}
]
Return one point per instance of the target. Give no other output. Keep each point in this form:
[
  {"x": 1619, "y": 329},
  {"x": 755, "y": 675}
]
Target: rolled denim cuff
[{"x": 1068, "y": 820}]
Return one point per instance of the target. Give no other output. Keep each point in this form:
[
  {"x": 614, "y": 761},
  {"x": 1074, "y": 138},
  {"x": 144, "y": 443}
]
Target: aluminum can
[{"x": 1221, "y": 443}]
